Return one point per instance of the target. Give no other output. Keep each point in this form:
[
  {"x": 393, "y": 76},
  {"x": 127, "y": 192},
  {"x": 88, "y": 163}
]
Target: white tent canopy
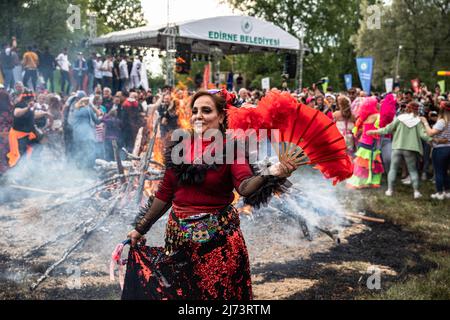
[{"x": 232, "y": 34}]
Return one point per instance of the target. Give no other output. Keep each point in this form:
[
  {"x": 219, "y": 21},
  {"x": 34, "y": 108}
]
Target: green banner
[
  {"x": 325, "y": 84},
  {"x": 442, "y": 85}
]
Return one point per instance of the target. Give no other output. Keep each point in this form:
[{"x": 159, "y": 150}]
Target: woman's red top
[{"x": 215, "y": 193}]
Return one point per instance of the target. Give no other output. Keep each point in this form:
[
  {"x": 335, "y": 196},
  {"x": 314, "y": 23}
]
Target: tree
[
  {"x": 119, "y": 14},
  {"x": 329, "y": 26},
  {"x": 421, "y": 27}
]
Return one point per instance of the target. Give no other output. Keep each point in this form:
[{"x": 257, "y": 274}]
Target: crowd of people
[
  {"x": 36, "y": 68},
  {"x": 102, "y": 100}
]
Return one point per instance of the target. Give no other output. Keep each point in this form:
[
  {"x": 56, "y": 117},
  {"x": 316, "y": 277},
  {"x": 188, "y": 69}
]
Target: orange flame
[{"x": 184, "y": 113}]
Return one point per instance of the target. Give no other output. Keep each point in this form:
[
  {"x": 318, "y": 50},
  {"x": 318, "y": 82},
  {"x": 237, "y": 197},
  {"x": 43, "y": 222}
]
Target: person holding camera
[{"x": 23, "y": 133}]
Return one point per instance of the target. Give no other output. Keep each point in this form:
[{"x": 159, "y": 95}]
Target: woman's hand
[
  {"x": 135, "y": 237},
  {"x": 283, "y": 169},
  {"x": 424, "y": 120},
  {"x": 440, "y": 140}
]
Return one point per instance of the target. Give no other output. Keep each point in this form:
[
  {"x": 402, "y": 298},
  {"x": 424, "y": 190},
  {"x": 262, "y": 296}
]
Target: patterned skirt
[
  {"x": 204, "y": 258},
  {"x": 367, "y": 168}
]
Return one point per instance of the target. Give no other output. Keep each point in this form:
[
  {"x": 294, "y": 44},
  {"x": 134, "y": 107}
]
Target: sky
[{"x": 180, "y": 10}]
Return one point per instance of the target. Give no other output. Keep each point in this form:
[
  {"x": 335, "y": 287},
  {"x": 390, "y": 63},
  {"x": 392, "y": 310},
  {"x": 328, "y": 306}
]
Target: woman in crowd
[
  {"x": 85, "y": 119},
  {"x": 407, "y": 134},
  {"x": 54, "y": 131},
  {"x": 387, "y": 114},
  {"x": 112, "y": 132},
  {"x": 6, "y": 121},
  {"x": 206, "y": 256},
  {"x": 97, "y": 103},
  {"x": 368, "y": 166},
  {"x": 441, "y": 151},
  {"x": 345, "y": 122}
]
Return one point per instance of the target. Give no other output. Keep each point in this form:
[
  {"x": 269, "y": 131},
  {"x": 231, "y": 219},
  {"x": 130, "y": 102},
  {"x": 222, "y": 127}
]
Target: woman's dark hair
[{"x": 219, "y": 102}]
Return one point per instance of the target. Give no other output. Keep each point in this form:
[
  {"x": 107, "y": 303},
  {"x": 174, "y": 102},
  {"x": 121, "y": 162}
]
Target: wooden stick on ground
[
  {"x": 87, "y": 232},
  {"x": 359, "y": 216},
  {"x": 15, "y": 186},
  {"x": 118, "y": 160}
]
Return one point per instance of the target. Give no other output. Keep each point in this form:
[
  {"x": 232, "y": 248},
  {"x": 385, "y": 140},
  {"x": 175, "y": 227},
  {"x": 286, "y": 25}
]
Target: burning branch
[{"x": 144, "y": 164}]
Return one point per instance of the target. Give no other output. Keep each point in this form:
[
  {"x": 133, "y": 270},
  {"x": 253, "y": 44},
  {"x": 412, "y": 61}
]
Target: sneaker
[
  {"x": 407, "y": 180},
  {"x": 447, "y": 195},
  {"x": 389, "y": 193},
  {"x": 424, "y": 176},
  {"x": 438, "y": 196},
  {"x": 417, "y": 195}
]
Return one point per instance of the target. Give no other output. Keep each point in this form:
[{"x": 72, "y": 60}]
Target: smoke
[
  {"x": 34, "y": 236},
  {"x": 311, "y": 207}
]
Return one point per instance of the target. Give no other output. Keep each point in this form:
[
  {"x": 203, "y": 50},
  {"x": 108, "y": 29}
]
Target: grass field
[{"x": 429, "y": 222}]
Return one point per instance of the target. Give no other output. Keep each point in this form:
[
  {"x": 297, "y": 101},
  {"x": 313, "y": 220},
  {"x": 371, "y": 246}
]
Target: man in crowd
[
  {"x": 80, "y": 69},
  {"x": 30, "y": 64},
  {"x": 64, "y": 66},
  {"x": 47, "y": 67},
  {"x": 107, "y": 99},
  {"x": 124, "y": 75},
  {"x": 107, "y": 69},
  {"x": 243, "y": 97},
  {"x": 136, "y": 73},
  {"x": 116, "y": 74},
  {"x": 19, "y": 88},
  {"x": 98, "y": 74},
  {"x": 7, "y": 66},
  {"x": 168, "y": 115},
  {"x": 90, "y": 72}
]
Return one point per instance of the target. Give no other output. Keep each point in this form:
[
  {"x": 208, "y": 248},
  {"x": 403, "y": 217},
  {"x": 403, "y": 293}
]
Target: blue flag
[
  {"x": 348, "y": 81},
  {"x": 365, "y": 68}
]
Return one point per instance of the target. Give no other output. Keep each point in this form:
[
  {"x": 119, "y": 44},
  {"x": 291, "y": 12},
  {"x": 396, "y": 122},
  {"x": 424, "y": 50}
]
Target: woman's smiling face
[{"x": 205, "y": 115}]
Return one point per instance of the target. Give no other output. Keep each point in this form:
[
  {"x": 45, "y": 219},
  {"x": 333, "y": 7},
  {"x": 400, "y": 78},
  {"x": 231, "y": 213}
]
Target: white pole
[
  {"x": 397, "y": 76},
  {"x": 300, "y": 59}
]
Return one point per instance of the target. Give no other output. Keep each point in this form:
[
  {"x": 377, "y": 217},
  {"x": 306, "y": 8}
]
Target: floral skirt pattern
[{"x": 217, "y": 269}]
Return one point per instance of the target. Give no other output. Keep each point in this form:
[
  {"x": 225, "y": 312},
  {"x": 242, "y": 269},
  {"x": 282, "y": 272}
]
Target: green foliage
[
  {"x": 421, "y": 27},
  {"x": 119, "y": 14},
  {"x": 45, "y": 22},
  {"x": 329, "y": 26}
]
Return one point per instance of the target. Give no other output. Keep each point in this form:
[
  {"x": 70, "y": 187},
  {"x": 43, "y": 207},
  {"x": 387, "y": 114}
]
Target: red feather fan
[{"x": 307, "y": 136}]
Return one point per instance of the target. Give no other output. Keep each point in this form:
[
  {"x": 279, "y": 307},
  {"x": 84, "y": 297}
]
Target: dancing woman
[
  {"x": 205, "y": 256},
  {"x": 368, "y": 165}
]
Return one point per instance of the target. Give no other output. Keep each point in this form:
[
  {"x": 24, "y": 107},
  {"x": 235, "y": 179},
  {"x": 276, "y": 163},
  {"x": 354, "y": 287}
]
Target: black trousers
[
  {"x": 65, "y": 78},
  {"x": 30, "y": 74},
  {"x": 108, "y": 82},
  {"x": 48, "y": 76}
]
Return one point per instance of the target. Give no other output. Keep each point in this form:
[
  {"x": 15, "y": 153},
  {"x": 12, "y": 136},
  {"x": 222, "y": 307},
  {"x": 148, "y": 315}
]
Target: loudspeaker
[{"x": 290, "y": 65}]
